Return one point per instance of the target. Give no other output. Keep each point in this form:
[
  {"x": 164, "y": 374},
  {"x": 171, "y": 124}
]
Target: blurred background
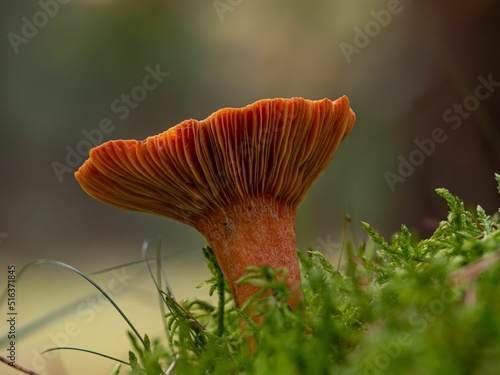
[{"x": 422, "y": 76}]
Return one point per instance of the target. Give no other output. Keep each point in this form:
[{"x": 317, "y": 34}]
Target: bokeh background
[{"x": 417, "y": 62}]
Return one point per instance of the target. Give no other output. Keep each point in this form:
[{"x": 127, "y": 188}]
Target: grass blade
[
  {"x": 94, "y": 284},
  {"x": 86, "y": 351}
]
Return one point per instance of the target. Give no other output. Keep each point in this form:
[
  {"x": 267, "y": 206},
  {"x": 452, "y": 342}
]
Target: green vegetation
[
  {"x": 404, "y": 307},
  {"x": 400, "y": 307}
]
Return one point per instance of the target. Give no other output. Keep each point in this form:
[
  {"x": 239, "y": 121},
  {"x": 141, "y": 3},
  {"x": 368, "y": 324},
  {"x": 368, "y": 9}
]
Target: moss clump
[{"x": 398, "y": 307}]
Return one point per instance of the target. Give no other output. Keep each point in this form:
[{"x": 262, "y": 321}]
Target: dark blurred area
[{"x": 63, "y": 78}]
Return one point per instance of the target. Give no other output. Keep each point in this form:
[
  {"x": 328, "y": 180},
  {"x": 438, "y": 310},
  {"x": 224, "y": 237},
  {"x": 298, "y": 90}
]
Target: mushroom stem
[{"x": 257, "y": 232}]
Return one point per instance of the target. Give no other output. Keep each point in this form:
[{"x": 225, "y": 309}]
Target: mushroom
[{"x": 237, "y": 177}]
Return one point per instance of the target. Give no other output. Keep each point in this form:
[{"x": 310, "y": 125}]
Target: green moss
[{"x": 399, "y": 307}]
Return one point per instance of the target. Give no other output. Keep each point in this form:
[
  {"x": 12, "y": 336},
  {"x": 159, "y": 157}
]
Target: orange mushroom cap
[
  {"x": 274, "y": 147},
  {"x": 263, "y": 157}
]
